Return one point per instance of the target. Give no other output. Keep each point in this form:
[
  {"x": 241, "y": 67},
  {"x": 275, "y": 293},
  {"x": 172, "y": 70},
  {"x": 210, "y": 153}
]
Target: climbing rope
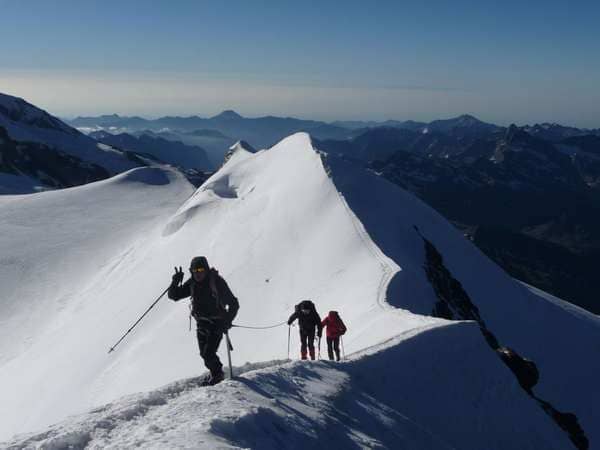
[{"x": 260, "y": 328}]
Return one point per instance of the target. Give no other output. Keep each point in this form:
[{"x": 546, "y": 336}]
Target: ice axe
[
  {"x": 229, "y": 350},
  {"x": 319, "y": 353}
]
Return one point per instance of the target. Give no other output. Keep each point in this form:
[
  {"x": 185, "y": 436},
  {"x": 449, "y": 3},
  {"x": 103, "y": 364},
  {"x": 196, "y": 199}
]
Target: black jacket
[
  {"x": 307, "y": 322},
  {"x": 207, "y": 304}
]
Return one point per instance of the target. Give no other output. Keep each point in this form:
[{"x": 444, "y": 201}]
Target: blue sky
[{"x": 502, "y": 61}]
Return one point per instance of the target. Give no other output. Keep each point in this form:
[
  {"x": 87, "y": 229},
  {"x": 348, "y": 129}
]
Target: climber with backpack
[
  {"x": 335, "y": 329},
  {"x": 308, "y": 321},
  {"x": 213, "y": 307}
]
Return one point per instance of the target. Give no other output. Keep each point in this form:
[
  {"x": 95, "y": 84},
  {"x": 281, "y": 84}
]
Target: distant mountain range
[
  {"x": 260, "y": 132},
  {"x": 531, "y": 203},
  {"x": 264, "y": 131},
  {"x": 364, "y": 140},
  {"x": 39, "y": 151},
  {"x": 30, "y": 166},
  {"x": 170, "y": 151},
  {"x": 517, "y": 192}
]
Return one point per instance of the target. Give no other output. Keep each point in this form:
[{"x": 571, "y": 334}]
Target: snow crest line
[
  {"x": 81, "y": 430},
  {"x": 99, "y": 423},
  {"x": 365, "y": 403},
  {"x": 388, "y": 266}
]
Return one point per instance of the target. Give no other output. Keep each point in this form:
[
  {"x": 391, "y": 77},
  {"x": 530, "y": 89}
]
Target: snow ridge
[
  {"x": 363, "y": 403},
  {"x": 281, "y": 225}
]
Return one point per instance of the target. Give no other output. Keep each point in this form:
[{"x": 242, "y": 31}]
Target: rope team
[{"x": 214, "y": 307}]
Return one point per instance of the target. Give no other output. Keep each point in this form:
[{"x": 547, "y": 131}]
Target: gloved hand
[
  {"x": 177, "y": 276},
  {"x": 227, "y": 325}
]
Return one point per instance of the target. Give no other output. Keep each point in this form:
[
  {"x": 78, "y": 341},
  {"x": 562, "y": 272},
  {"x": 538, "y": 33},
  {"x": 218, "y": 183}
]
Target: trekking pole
[
  {"x": 343, "y": 352},
  {"x": 229, "y": 348},
  {"x": 289, "y": 332},
  {"x": 138, "y": 321}
]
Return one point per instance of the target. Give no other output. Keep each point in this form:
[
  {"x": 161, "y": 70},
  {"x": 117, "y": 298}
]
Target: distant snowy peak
[
  {"x": 18, "y": 111},
  {"x": 239, "y": 150},
  {"x": 242, "y": 146}
]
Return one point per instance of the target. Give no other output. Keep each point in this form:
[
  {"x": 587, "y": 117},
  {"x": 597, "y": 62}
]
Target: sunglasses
[{"x": 198, "y": 270}]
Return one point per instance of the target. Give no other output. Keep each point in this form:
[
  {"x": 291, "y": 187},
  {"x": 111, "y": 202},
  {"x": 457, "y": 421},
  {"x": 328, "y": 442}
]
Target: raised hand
[{"x": 177, "y": 276}]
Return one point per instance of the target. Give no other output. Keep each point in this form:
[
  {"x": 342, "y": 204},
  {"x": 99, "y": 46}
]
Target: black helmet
[{"x": 199, "y": 261}]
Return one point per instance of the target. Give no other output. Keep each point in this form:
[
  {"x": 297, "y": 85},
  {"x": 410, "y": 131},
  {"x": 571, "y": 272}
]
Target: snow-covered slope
[
  {"x": 285, "y": 224},
  {"x": 558, "y": 337},
  {"x": 416, "y": 392}
]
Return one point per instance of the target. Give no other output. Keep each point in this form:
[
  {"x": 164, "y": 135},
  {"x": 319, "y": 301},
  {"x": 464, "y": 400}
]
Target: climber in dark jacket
[
  {"x": 308, "y": 320},
  {"x": 213, "y": 306}
]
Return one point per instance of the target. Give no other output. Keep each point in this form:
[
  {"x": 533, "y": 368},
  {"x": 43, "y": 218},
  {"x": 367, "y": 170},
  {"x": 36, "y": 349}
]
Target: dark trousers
[
  {"x": 333, "y": 344},
  {"x": 209, "y": 338},
  {"x": 307, "y": 339}
]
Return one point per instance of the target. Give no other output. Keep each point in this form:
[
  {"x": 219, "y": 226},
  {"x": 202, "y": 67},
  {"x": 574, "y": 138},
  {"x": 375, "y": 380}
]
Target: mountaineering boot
[
  {"x": 212, "y": 378},
  {"x": 303, "y": 355},
  {"x": 205, "y": 379},
  {"x": 312, "y": 353},
  {"x": 216, "y": 377}
]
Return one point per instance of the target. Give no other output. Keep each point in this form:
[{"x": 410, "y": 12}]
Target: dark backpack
[
  {"x": 305, "y": 304},
  {"x": 339, "y": 323}
]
